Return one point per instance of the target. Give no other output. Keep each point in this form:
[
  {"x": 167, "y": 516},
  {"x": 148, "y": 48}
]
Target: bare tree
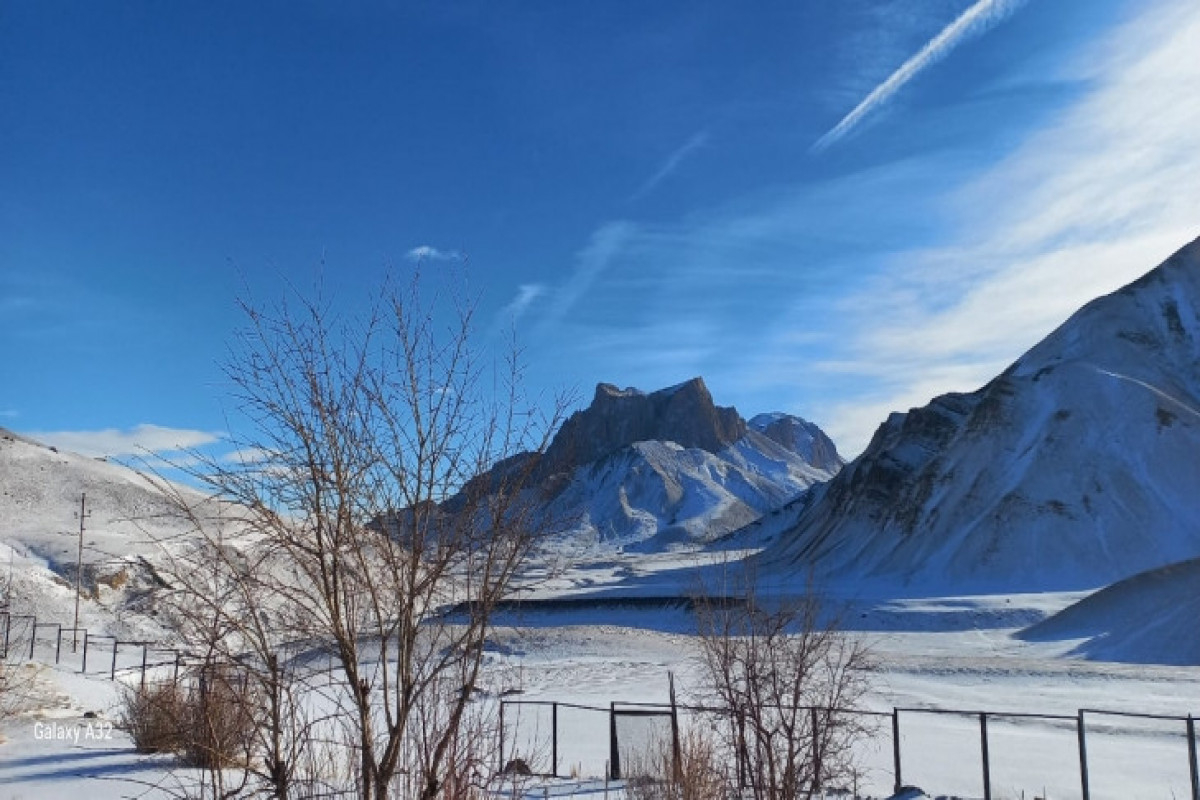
[
  {"x": 786, "y": 683},
  {"x": 359, "y": 556}
]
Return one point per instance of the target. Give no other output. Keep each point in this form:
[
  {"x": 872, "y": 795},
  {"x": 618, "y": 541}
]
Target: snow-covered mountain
[
  {"x": 801, "y": 437},
  {"x": 1149, "y": 618},
  {"x": 1075, "y": 467},
  {"x": 647, "y": 470},
  {"x": 40, "y": 492}
]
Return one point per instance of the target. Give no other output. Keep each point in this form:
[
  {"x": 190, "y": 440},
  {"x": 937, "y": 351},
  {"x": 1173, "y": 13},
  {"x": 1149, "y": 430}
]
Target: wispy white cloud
[
  {"x": 247, "y": 456},
  {"x": 428, "y": 253},
  {"x": 605, "y": 244},
  {"x": 686, "y": 150},
  {"x": 977, "y": 19},
  {"x": 873, "y": 292},
  {"x": 527, "y": 293},
  {"x": 116, "y": 443},
  {"x": 1101, "y": 195}
]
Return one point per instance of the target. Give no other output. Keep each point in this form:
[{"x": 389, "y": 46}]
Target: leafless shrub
[
  {"x": 154, "y": 715},
  {"x": 219, "y": 719},
  {"x": 210, "y": 725},
  {"x": 701, "y": 773},
  {"x": 18, "y": 688},
  {"x": 785, "y": 681}
]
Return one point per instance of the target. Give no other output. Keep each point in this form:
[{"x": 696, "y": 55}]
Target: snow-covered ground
[
  {"x": 947, "y": 653},
  {"x": 609, "y": 626}
]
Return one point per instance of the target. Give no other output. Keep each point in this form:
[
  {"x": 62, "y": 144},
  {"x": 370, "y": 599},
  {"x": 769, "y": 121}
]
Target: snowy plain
[{"x": 609, "y": 626}]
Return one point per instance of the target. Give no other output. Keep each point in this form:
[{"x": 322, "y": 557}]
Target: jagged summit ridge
[{"x": 684, "y": 414}]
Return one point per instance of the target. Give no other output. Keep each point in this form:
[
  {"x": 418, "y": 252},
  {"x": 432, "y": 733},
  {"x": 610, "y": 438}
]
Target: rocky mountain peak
[
  {"x": 684, "y": 414},
  {"x": 801, "y": 437}
]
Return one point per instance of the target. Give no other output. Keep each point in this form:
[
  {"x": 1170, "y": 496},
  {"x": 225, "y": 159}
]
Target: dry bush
[
  {"x": 701, "y": 773},
  {"x": 210, "y": 725},
  {"x": 787, "y": 683},
  {"x": 18, "y": 689},
  {"x": 220, "y": 714},
  {"x": 154, "y": 717}
]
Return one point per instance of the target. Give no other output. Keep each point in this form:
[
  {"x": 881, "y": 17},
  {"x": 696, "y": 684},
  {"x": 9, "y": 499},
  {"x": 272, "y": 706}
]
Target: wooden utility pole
[
  {"x": 12, "y": 552},
  {"x": 79, "y": 570}
]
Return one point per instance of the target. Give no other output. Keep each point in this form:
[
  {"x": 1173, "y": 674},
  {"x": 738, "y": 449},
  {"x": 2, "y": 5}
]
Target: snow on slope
[
  {"x": 650, "y": 471},
  {"x": 1149, "y": 618},
  {"x": 1073, "y": 468},
  {"x": 654, "y": 494},
  {"x": 40, "y": 489},
  {"x": 801, "y": 437}
]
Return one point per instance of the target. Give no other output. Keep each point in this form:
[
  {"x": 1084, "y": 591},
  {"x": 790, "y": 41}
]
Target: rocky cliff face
[
  {"x": 1075, "y": 467},
  {"x": 617, "y": 418}
]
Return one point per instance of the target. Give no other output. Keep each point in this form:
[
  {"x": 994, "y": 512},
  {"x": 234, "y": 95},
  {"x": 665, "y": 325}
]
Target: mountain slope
[
  {"x": 1073, "y": 468},
  {"x": 647, "y": 471},
  {"x": 1149, "y": 618},
  {"x": 40, "y": 490}
]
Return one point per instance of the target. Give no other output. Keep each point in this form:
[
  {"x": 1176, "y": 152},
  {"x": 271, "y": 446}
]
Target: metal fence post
[
  {"x": 1192, "y": 765},
  {"x": 58, "y": 646},
  {"x": 816, "y": 750},
  {"x": 500, "y": 765},
  {"x": 83, "y": 667},
  {"x": 987, "y": 766},
  {"x": 1083, "y": 765},
  {"x": 32, "y": 638},
  {"x": 7, "y": 629},
  {"x": 614, "y": 754},
  {"x": 112, "y": 674},
  {"x": 896, "y": 748},
  {"x": 554, "y": 741},
  {"x": 743, "y": 756},
  {"x": 144, "y": 648}
]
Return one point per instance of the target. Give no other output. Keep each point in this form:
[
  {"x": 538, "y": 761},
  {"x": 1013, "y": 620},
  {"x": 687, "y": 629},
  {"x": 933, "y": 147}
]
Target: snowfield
[{"x": 933, "y": 653}]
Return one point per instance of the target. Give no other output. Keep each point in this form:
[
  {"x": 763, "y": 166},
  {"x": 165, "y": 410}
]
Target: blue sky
[{"x": 834, "y": 209}]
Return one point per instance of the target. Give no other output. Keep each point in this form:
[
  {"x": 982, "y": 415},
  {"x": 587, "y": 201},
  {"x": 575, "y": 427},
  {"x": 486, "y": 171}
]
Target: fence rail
[
  {"x": 24, "y": 636},
  {"x": 1078, "y": 723}
]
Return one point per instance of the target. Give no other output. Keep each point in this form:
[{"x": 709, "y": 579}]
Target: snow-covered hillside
[
  {"x": 1149, "y": 618},
  {"x": 1073, "y": 468},
  {"x": 40, "y": 492},
  {"x": 646, "y": 471}
]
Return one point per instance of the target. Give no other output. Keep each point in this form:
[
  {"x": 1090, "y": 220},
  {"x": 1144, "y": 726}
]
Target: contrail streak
[
  {"x": 672, "y": 163},
  {"x": 975, "y": 20}
]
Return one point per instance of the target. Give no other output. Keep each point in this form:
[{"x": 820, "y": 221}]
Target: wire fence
[
  {"x": 1013, "y": 751},
  {"x": 910, "y": 745}
]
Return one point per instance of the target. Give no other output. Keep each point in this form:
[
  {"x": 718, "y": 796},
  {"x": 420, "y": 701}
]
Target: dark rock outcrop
[{"x": 683, "y": 414}]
